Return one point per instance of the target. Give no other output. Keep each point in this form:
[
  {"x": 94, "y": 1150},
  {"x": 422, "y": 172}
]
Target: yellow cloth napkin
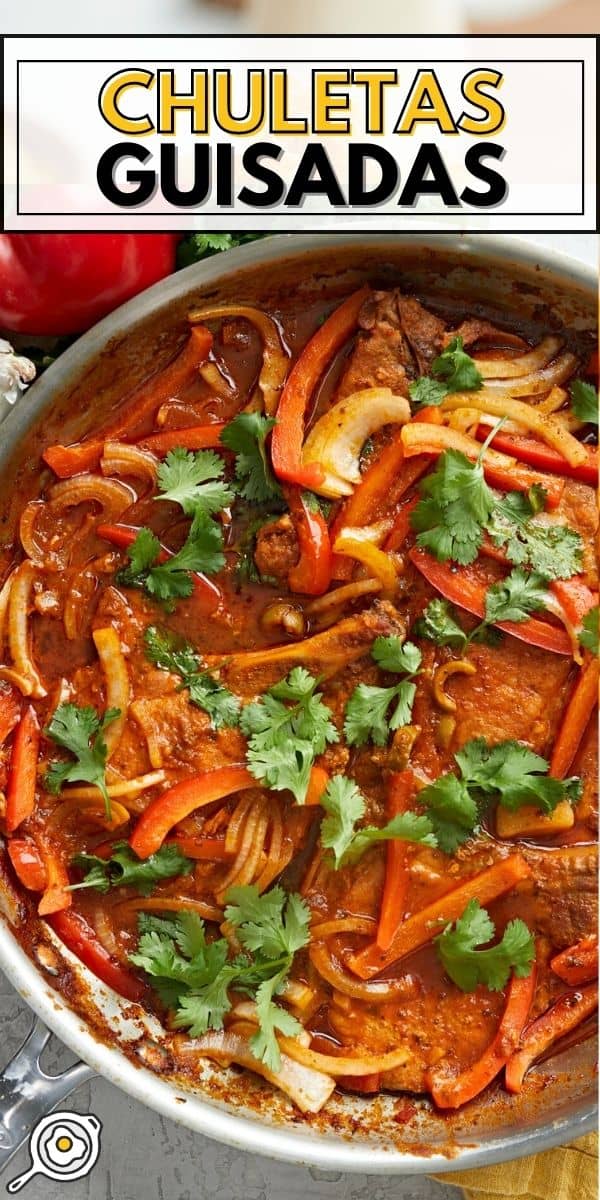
[{"x": 568, "y": 1173}]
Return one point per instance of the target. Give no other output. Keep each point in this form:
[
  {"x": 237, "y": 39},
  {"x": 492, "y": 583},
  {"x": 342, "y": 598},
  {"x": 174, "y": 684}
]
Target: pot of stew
[{"x": 298, "y": 676}]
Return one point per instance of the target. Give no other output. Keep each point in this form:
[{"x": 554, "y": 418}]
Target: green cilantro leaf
[
  {"x": 584, "y": 401},
  {"x": 366, "y": 716},
  {"x": 556, "y": 551},
  {"x": 516, "y": 597},
  {"x": 171, "y": 580},
  {"x": 275, "y": 923},
  {"x": 345, "y": 805},
  {"x": 79, "y": 730},
  {"x": 589, "y": 631},
  {"x": 452, "y": 810},
  {"x": 425, "y": 391},
  {"x": 452, "y": 371},
  {"x": 272, "y": 1020},
  {"x": 197, "y": 246},
  {"x": 455, "y": 508},
  {"x": 468, "y": 965},
  {"x": 125, "y": 869},
  {"x": 193, "y": 479},
  {"x": 438, "y": 624},
  {"x": 247, "y": 435},
  {"x": 167, "y": 652},
  {"x": 287, "y": 729}
]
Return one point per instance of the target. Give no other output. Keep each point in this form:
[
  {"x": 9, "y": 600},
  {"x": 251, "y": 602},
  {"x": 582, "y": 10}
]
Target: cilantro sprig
[
  {"x": 345, "y": 805},
  {"x": 513, "y": 598},
  {"x": 287, "y": 729},
  {"x": 460, "y": 950},
  {"x": 584, "y": 401},
  {"x": 193, "y": 479},
  {"x": 589, "y": 631},
  {"x": 508, "y": 772},
  {"x": 194, "y": 977},
  {"x": 452, "y": 371},
  {"x": 246, "y": 435},
  {"x": 439, "y": 623},
  {"x": 554, "y": 550},
  {"x": 366, "y": 717},
  {"x": 172, "y": 580},
  {"x": 125, "y": 869},
  {"x": 80, "y": 731},
  {"x": 179, "y": 657}
]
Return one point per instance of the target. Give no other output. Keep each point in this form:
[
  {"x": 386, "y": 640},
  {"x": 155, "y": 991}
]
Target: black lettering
[
  {"x": 428, "y": 158},
  {"x": 251, "y": 160},
  {"x": 497, "y": 186},
  {"x": 358, "y": 156},
  {"x": 105, "y": 175},
  {"x": 315, "y": 158},
  {"x": 197, "y": 193}
]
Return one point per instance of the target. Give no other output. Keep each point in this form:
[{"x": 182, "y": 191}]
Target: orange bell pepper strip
[
  {"x": 179, "y": 801},
  {"x": 458, "y": 585},
  {"x": 56, "y": 895},
  {"x": 28, "y": 864},
  {"x": 22, "y": 777},
  {"x": 195, "y": 437},
  {"x": 66, "y": 461},
  {"x": 401, "y": 791},
  {"x": 311, "y": 575},
  {"x": 319, "y": 778},
  {"x": 10, "y": 712},
  {"x": 583, "y": 700},
  {"x": 82, "y": 940},
  {"x": 575, "y": 598},
  {"x": 579, "y": 963},
  {"x": 204, "y": 849},
  {"x": 500, "y": 470},
  {"x": 288, "y": 435},
  {"x": 545, "y": 458},
  {"x": 122, "y": 536},
  {"x": 422, "y": 926},
  {"x": 453, "y": 1093},
  {"x": 401, "y": 527},
  {"x": 566, "y": 1014},
  {"x": 367, "y": 1085}
]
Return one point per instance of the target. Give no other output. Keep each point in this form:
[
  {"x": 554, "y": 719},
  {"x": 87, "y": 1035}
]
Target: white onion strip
[
  {"x": 5, "y": 591},
  {"x": 520, "y": 364},
  {"x": 118, "y": 692},
  {"x": 537, "y": 382},
  {"x": 309, "y": 1089},
  {"x": 546, "y": 426},
  {"x": 112, "y": 496},
  {"x": 127, "y": 787},
  {"x": 275, "y": 360},
  {"x": 19, "y": 634},
  {"x": 121, "y": 459},
  {"x": 365, "y": 1064}
]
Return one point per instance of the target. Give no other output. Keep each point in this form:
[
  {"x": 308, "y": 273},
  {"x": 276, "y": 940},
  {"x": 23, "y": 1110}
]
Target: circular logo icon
[{"x": 63, "y": 1145}]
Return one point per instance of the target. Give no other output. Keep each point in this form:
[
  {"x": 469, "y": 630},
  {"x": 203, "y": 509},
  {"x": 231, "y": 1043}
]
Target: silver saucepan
[{"x": 111, "y": 1037}]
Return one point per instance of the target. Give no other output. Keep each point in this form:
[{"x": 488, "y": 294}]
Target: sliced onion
[
  {"x": 216, "y": 379},
  {"x": 207, "y": 912},
  {"x": 19, "y": 635},
  {"x": 93, "y": 807},
  {"x": 275, "y": 360},
  {"x": 553, "y": 401},
  {"x": 27, "y": 523},
  {"x": 366, "y": 1064},
  {"x": 5, "y": 591},
  {"x": 127, "y": 787},
  {"x": 271, "y": 867},
  {"x": 537, "y": 382},
  {"x": 246, "y": 1010},
  {"x": 113, "y": 497},
  {"x": 78, "y": 602},
  {"x": 333, "y": 973},
  {"x": 116, "y": 675},
  {"x": 521, "y": 364},
  {"x": 233, "y": 833},
  {"x": 545, "y": 426},
  {"x": 336, "y": 925},
  {"x": 252, "y": 845},
  {"x": 553, "y": 605},
  {"x": 337, "y": 439},
  {"x": 309, "y": 1089},
  {"x": 298, "y": 995},
  {"x": 121, "y": 459}
]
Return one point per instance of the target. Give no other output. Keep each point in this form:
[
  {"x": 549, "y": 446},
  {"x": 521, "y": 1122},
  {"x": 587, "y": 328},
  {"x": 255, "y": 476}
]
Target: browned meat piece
[
  {"x": 381, "y": 356},
  {"x": 475, "y": 330},
  {"x": 276, "y": 550},
  {"x": 178, "y": 734},
  {"x": 325, "y": 654},
  {"x": 424, "y": 331},
  {"x": 564, "y": 892}
]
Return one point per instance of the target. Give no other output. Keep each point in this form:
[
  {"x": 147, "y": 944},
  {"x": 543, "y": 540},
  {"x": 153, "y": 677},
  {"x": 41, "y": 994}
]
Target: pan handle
[{"x": 27, "y": 1093}]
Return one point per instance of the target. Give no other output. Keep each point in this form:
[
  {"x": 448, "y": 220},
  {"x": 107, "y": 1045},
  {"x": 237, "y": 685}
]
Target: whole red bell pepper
[{"x": 60, "y": 283}]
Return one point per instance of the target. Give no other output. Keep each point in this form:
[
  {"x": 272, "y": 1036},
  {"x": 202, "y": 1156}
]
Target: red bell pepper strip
[
  {"x": 422, "y": 926},
  {"x": 57, "y": 283},
  {"x": 367, "y": 1085},
  {"x": 458, "y": 586},
  {"x": 56, "y": 895},
  {"x": 10, "y": 712},
  {"x": 500, "y": 470},
  {"x": 311, "y": 575},
  {"x": 568, "y": 1012},
  {"x": 577, "y": 964},
  {"x": 124, "y": 535},
  {"x": 66, "y": 461},
  {"x": 583, "y": 700},
  {"x": 453, "y": 1093},
  {"x": 28, "y": 864},
  {"x": 545, "y": 458},
  {"x": 401, "y": 792},
  {"x": 288, "y": 435},
  {"x": 575, "y": 597},
  {"x": 209, "y": 849},
  {"x": 196, "y": 437},
  {"x": 82, "y": 940},
  {"x": 22, "y": 777},
  {"x": 179, "y": 801},
  {"x": 401, "y": 527}
]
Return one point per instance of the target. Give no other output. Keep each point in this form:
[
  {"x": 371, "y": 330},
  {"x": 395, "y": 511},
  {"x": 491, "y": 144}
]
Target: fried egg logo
[{"x": 64, "y": 1145}]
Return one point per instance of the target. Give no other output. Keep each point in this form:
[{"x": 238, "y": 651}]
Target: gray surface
[{"x": 145, "y": 1156}]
